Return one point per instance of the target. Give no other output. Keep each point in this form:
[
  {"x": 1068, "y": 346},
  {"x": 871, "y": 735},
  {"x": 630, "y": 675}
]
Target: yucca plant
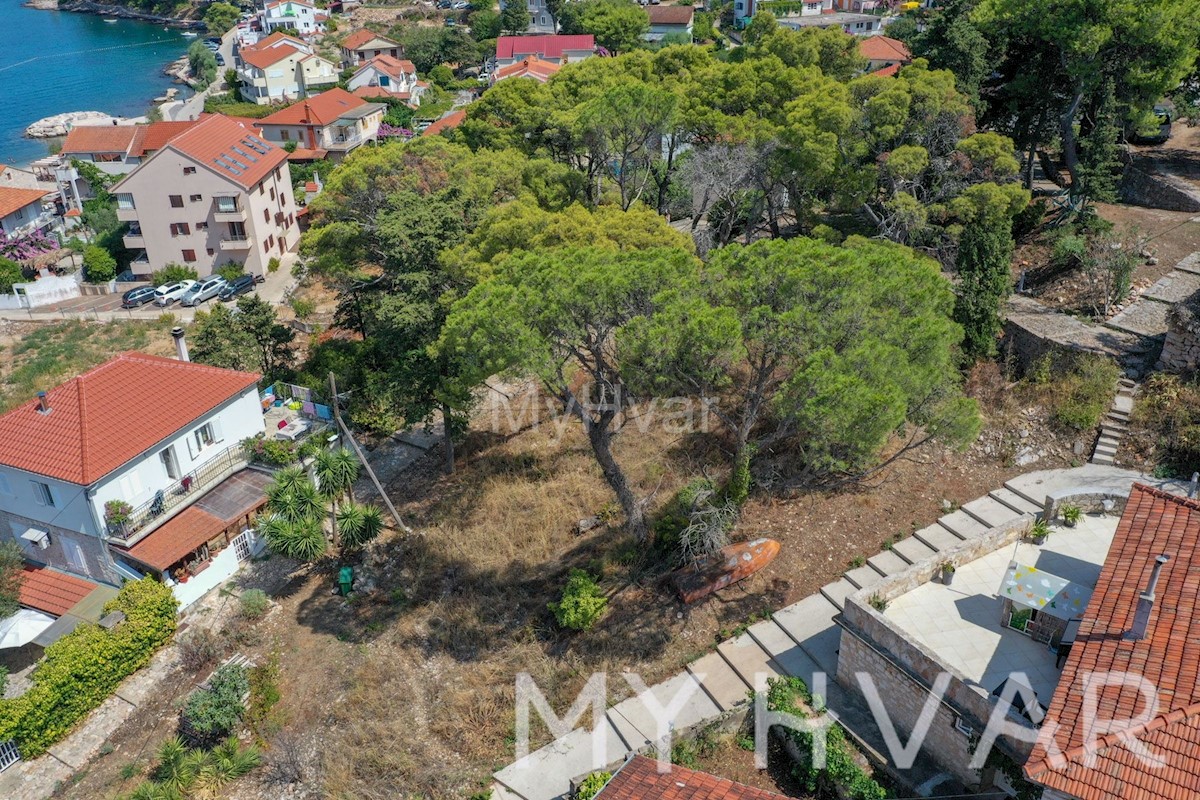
[
  {"x": 358, "y": 524},
  {"x": 174, "y": 769},
  {"x": 303, "y": 539},
  {"x": 337, "y": 470},
  {"x": 295, "y": 502}
]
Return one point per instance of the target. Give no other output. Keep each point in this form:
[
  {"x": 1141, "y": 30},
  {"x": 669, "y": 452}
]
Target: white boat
[
  {"x": 114, "y": 19},
  {"x": 188, "y": 34}
]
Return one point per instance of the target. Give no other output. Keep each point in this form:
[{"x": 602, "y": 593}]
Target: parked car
[
  {"x": 461, "y": 4},
  {"x": 213, "y": 40},
  {"x": 138, "y": 297},
  {"x": 170, "y": 292},
  {"x": 239, "y": 285},
  {"x": 220, "y": 59},
  {"x": 211, "y": 46},
  {"x": 204, "y": 289}
]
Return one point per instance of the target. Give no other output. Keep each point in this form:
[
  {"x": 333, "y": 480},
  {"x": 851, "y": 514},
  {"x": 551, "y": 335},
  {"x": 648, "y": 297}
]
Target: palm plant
[
  {"x": 295, "y": 502},
  {"x": 358, "y": 524},
  {"x": 174, "y": 769},
  {"x": 302, "y": 539},
  {"x": 289, "y": 478},
  {"x": 336, "y": 472}
]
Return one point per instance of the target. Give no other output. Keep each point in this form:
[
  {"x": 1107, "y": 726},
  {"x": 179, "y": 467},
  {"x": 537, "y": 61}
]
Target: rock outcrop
[{"x": 60, "y": 124}]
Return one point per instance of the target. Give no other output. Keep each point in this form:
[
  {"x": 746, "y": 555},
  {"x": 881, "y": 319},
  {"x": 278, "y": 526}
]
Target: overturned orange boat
[{"x": 727, "y": 566}]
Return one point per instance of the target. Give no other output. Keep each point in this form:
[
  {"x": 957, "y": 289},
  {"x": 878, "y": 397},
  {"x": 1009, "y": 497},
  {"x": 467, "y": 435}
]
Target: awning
[
  {"x": 23, "y": 627},
  {"x": 1032, "y": 588}
]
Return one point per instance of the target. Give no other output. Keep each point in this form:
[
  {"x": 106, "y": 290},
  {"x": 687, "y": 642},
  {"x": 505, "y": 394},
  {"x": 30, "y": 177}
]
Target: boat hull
[{"x": 725, "y": 567}]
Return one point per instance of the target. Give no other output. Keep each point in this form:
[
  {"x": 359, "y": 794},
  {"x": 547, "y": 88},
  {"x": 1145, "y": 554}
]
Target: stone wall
[
  {"x": 1142, "y": 186},
  {"x": 904, "y": 670},
  {"x": 1031, "y": 330},
  {"x": 1181, "y": 350}
]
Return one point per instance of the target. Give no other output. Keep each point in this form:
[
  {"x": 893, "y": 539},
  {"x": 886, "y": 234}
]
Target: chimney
[
  {"x": 180, "y": 343},
  {"x": 43, "y": 403},
  {"x": 1145, "y": 604}
]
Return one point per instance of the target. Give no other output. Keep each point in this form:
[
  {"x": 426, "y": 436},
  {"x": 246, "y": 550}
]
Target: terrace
[{"x": 966, "y": 625}]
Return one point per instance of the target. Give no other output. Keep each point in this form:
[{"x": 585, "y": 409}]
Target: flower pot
[
  {"x": 1039, "y": 539},
  {"x": 1070, "y": 523},
  {"x": 947, "y": 577}
]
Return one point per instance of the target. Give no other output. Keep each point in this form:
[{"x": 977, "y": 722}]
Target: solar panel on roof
[
  {"x": 241, "y": 152},
  {"x": 257, "y": 145},
  {"x": 226, "y": 166}
]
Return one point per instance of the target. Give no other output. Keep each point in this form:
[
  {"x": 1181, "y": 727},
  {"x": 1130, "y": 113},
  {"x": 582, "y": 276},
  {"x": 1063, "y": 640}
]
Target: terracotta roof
[
  {"x": 394, "y": 67},
  {"x": 1154, "y": 523},
  {"x": 263, "y": 57},
  {"x": 311, "y": 186},
  {"x": 882, "y": 48},
  {"x": 319, "y": 110},
  {"x": 229, "y": 149},
  {"x": 370, "y": 93},
  {"x": 305, "y": 154},
  {"x": 275, "y": 39},
  {"x": 99, "y": 139},
  {"x": 639, "y": 779},
  {"x": 154, "y": 136},
  {"x": 529, "y": 67},
  {"x": 12, "y": 199},
  {"x": 549, "y": 46},
  {"x": 51, "y": 591},
  {"x": 670, "y": 15},
  {"x": 289, "y": 3},
  {"x": 889, "y": 71},
  {"x": 89, "y": 431},
  {"x": 446, "y": 123},
  {"x": 73, "y": 212},
  {"x": 362, "y": 36}
]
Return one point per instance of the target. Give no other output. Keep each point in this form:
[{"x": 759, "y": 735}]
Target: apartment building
[
  {"x": 214, "y": 194},
  {"x": 281, "y": 68}
]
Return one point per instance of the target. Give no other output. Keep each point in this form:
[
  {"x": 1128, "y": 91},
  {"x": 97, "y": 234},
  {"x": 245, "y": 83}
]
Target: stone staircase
[{"x": 1115, "y": 422}]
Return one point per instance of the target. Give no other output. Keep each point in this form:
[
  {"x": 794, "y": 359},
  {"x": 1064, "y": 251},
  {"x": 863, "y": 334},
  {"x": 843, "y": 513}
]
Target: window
[
  {"x": 262, "y": 189},
  {"x": 169, "y": 463},
  {"x": 272, "y": 192},
  {"x": 201, "y": 226},
  {"x": 74, "y": 554},
  {"x": 384, "y": 80},
  {"x": 189, "y": 170},
  {"x": 19, "y": 213},
  {"x": 106, "y": 158},
  {"x": 267, "y": 214},
  {"x": 189, "y": 255},
  {"x": 204, "y": 437},
  {"x": 278, "y": 173},
  {"x": 227, "y": 205},
  {"x": 266, "y": 247},
  {"x": 42, "y": 494},
  {"x": 180, "y": 229},
  {"x": 208, "y": 250},
  {"x": 176, "y": 201},
  {"x": 131, "y": 486},
  {"x": 195, "y": 198},
  {"x": 285, "y": 134}
]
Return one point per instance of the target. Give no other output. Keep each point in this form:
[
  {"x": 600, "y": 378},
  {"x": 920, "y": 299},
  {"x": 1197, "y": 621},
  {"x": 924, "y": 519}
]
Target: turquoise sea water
[{"x": 52, "y": 62}]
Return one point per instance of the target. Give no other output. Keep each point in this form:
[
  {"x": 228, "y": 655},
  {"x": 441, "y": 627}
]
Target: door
[
  {"x": 75, "y": 556},
  {"x": 169, "y": 463}
]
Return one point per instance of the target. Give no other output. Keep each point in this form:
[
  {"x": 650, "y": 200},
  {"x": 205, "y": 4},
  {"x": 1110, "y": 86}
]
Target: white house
[
  {"x": 540, "y": 19},
  {"x": 557, "y": 49},
  {"x": 363, "y": 45},
  {"x": 669, "y": 20},
  {"x": 112, "y": 149},
  {"x": 333, "y": 123},
  {"x": 24, "y": 211},
  {"x": 282, "y": 68},
  {"x": 394, "y": 77},
  {"x": 293, "y": 15},
  {"x": 96, "y": 473}
]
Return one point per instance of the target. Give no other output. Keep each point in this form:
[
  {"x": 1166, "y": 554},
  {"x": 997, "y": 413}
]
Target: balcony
[
  {"x": 178, "y": 495},
  {"x": 348, "y": 142},
  {"x": 140, "y": 264},
  {"x": 230, "y": 242},
  {"x": 129, "y": 214},
  {"x": 229, "y": 212},
  {"x": 134, "y": 239}
]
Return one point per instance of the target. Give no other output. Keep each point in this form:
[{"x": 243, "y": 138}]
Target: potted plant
[
  {"x": 116, "y": 515},
  {"x": 1071, "y": 514},
  {"x": 947, "y": 568},
  {"x": 1039, "y": 531}
]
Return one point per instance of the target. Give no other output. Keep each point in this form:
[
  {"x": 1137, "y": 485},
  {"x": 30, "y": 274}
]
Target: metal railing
[{"x": 182, "y": 492}]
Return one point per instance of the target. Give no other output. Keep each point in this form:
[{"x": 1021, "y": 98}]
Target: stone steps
[
  {"x": 990, "y": 512},
  {"x": 863, "y": 577},
  {"x": 1115, "y": 423},
  {"x": 937, "y": 538},
  {"x": 1015, "y": 501},
  {"x": 887, "y": 563},
  {"x": 913, "y": 549},
  {"x": 962, "y": 524},
  {"x": 838, "y": 591}
]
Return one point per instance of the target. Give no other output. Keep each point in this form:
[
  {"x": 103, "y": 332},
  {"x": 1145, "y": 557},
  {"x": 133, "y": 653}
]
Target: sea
[{"x": 52, "y": 62}]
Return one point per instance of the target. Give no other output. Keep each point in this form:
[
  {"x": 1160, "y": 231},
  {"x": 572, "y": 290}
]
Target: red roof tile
[
  {"x": 276, "y": 38},
  {"x": 305, "y": 154},
  {"x": 888, "y": 71},
  {"x": 154, "y": 136},
  {"x": 52, "y": 591},
  {"x": 883, "y": 48},
  {"x": 263, "y": 57},
  {"x": 670, "y": 15},
  {"x": 229, "y": 149},
  {"x": 89, "y": 432},
  {"x": 320, "y": 110},
  {"x": 177, "y": 537},
  {"x": 1154, "y": 523},
  {"x": 529, "y": 67},
  {"x": 360, "y": 37},
  {"x": 11, "y": 199},
  {"x": 446, "y": 123},
  {"x": 549, "y": 46},
  {"x": 395, "y": 67},
  {"x": 99, "y": 139},
  {"x": 639, "y": 779}
]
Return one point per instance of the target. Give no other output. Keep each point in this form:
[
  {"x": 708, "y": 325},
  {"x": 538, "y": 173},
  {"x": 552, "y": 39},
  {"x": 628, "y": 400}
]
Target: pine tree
[
  {"x": 984, "y": 259},
  {"x": 1099, "y": 152}
]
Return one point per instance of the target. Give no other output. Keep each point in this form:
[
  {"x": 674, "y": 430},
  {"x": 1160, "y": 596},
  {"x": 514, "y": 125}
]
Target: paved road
[{"x": 194, "y": 105}]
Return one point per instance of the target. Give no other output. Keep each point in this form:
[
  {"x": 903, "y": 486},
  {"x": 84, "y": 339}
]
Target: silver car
[
  {"x": 170, "y": 292},
  {"x": 204, "y": 289}
]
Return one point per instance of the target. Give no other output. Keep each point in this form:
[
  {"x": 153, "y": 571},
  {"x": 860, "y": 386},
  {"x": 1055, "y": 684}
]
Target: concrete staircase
[{"x": 1114, "y": 424}]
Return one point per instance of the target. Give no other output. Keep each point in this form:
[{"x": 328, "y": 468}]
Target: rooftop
[
  {"x": 961, "y": 623},
  {"x": 87, "y": 433},
  {"x": 98, "y": 139},
  {"x": 1154, "y": 523},
  {"x": 325, "y": 108},
  {"x": 883, "y": 48},
  {"x": 395, "y": 67},
  {"x": 49, "y": 590},
  {"x": 152, "y": 137},
  {"x": 639, "y": 779},
  {"x": 549, "y": 46},
  {"x": 529, "y": 67},
  {"x": 363, "y": 36},
  {"x": 447, "y": 122},
  {"x": 670, "y": 15},
  {"x": 825, "y": 20},
  {"x": 12, "y": 199},
  {"x": 230, "y": 149},
  {"x": 263, "y": 57}
]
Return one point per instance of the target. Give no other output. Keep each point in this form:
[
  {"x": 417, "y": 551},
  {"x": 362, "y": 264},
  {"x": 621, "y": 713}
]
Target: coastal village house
[
  {"x": 295, "y": 16},
  {"x": 335, "y": 122},
  {"x": 213, "y": 194},
  {"x": 112, "y": 149},
  {"x": 282, "y": 68},
  {"x": 540, "y": 19},
  {"x": 667, "y": 20},
  {"x": 25, "y": 211},
  {"x": 387, "y": 76},
  {"x": 640, "y": 778},
  {"x": 556, "y": 49},
  {"x": 89, "y": 489},
  {"x": 528, "y": 67},
  {"x": 1019, "y": 627},
  {"x": 885, "y": 55},
  {"x": 17, "y": 178},
  {"x": 363, "y": 45}
]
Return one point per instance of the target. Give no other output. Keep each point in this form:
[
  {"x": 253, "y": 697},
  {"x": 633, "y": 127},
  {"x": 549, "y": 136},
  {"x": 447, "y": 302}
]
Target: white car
[{"x": 170, "y": 292}]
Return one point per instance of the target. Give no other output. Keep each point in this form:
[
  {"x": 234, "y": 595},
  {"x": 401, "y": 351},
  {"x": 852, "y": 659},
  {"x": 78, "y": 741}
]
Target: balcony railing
[
  {"x": 230, "y": 212},
  {"x": 183, "y": 492},
  {"x": 235, "y": 242},
  {"x": 344, "y": 142}
]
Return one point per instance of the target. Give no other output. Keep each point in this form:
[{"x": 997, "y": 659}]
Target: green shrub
[
  {"x": 10, "y": 273},
  {"x": 172, "y": 273},
  {"x": 582, "y": 602},
  {"x": 591, "y": 785},
  {"x": 82, "y": 669},
  {"x": 273, "y": 265},
  {"x": 264, "y": 694},
  {"x": 1084, "y": 391},
  {"x": 1168, "y": 409},
  {"x": 217, "y": 710},
  {"x": 274, "y": 452},
  {"x": 231, "y": 270},
  {"x": 1070, "y": 251},
  {"x": 254, "y": 604},
  {"x": 98, "y": 264}
]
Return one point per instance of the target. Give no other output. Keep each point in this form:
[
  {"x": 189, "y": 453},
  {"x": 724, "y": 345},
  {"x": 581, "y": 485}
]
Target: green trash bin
[{"x": 346, "y": 579}]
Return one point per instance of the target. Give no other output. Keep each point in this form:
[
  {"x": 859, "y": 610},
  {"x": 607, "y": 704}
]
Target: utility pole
[{"x": 337, "y": 415}]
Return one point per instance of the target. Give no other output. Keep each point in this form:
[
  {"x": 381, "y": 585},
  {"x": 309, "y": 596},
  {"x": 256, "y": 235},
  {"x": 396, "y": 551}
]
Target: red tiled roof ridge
[
  {"x": 639, "y": 779},
  {"x": 1161, "y": 494}
]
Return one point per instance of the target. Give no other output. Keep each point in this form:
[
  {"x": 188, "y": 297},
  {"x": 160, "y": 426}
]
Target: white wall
[
  {"x": 224, "y": 564},
  {"x": 70, "y": 509},
  {"x": 28, "y": 214},
  {"x": 137, "y": 481}
]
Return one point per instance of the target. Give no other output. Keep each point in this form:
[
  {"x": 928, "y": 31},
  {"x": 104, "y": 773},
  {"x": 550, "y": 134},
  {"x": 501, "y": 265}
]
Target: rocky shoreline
[
  {"x": 60, "y": 124},
  {"x": 119, "y": 12}
]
